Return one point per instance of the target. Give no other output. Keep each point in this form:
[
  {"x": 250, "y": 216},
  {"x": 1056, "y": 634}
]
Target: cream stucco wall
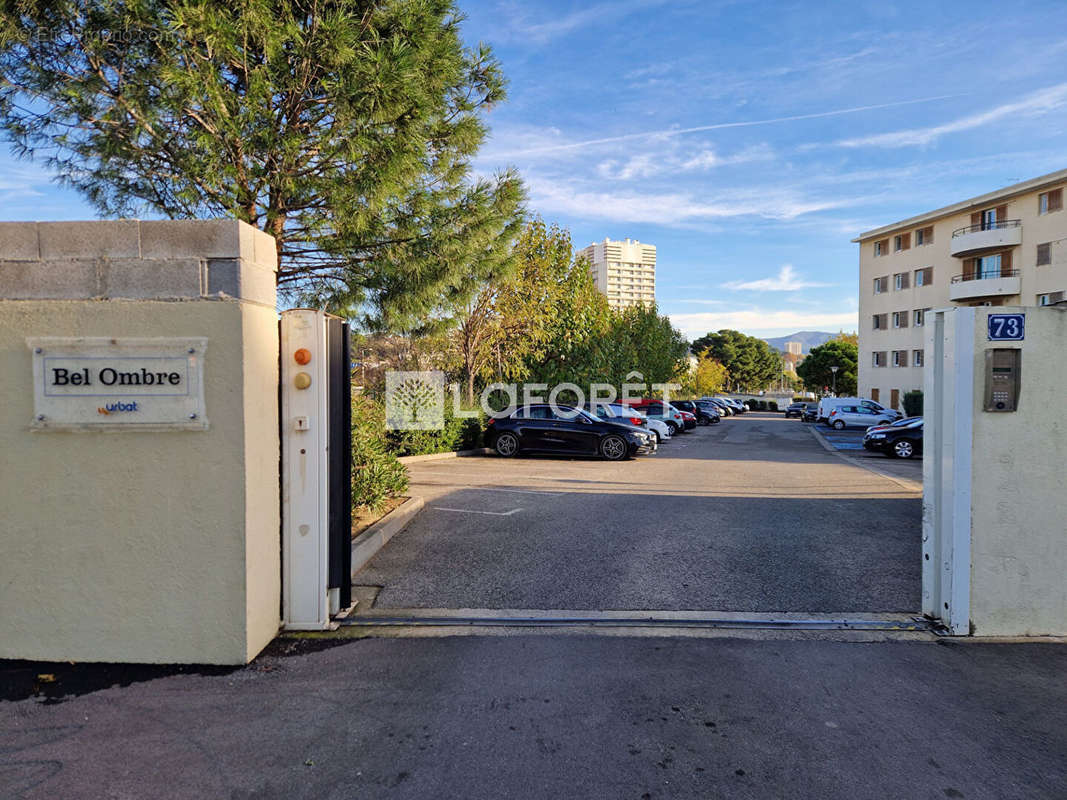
[
  {"x": 158, "y": 547},
  {"x": 1018, "y": 502}
]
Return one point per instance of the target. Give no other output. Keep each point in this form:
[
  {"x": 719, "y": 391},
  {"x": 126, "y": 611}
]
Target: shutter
[
  {"x": 906, "y": 281},
  {"x": 976, "y": 218},
  {"x": 1002, "y": 213},
  {"x": 1055, "y": 200},
  {"x": 968, "y": 269},
  {"x": 907, "y": 240},
  {"x": 1005, "y": 264},
  {"x": 895, "y": 398}
]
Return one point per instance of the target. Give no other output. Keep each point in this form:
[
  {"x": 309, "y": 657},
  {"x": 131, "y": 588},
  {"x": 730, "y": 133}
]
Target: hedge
[{"x": 376, "y": 474}]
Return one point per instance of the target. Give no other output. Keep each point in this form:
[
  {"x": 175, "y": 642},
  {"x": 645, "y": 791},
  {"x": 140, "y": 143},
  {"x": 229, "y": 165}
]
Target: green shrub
[
  {"x": 913, "y": 403},
  {"x": 772, "y": 405},
  {"x": 376, "y": 474},
  {"x": 458, "y": 433}
]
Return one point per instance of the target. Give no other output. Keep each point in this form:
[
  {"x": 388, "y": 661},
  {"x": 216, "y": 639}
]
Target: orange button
[{"x": 302, "y": 356}]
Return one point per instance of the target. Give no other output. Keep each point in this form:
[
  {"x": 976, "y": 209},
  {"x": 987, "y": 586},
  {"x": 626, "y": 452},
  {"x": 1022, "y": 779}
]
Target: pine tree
[{"x": 345, "y": 129}]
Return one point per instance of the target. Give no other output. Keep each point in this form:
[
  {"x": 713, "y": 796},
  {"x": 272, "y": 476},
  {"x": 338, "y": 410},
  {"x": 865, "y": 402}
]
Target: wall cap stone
[{"x": 137, "y": 259}]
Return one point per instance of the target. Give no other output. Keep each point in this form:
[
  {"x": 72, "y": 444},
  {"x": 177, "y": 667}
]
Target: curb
[
  {"x": 367, "y": 544},
  {"x": 478, "y": 451},
  {"x": 911, "y": 486}
]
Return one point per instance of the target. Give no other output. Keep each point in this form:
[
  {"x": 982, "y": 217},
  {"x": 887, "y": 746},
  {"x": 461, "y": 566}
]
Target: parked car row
[
  {"x": 613, "y": 431},
  {"x": 886, "y": 430}
]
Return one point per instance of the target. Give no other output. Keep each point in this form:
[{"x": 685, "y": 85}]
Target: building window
[
  {"x": 900, "y": 358},
  {"x": 1047, "y": 202},
  {"x": 924, "y": 236},
  {"x": 881, "y": 248},
  {"x": 917, "y": 358},
  {"x": 881, "y": 284},
  {"x": 902, "y": 241},
  {"x": 900, "y": 319},
  {"x": 919, "y": 318},
  {"x": 900, "y": 281},
  {"x": 989, "y": 219},
  {"x": 878, "y": 358},
  {"x": 880, "y": 321},
  {"x": 1050, "y": 298},
  {"x": 924, "y": 276},
  {"x": 1044, "y": 254},
  {"x": 987, "y": 267}
]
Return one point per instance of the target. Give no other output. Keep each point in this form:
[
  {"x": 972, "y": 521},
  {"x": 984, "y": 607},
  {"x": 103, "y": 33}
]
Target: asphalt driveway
[{"x": 748, "y": 515}]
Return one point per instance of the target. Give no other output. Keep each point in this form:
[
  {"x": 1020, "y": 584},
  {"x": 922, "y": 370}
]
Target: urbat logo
[{"x": 113, "y": 408}]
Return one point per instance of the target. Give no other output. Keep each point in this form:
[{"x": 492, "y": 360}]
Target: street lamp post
[{"x": 833, "y": 389}]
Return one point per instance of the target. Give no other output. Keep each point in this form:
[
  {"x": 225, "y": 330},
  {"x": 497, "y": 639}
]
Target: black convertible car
[{"x": 539, "y": 429}]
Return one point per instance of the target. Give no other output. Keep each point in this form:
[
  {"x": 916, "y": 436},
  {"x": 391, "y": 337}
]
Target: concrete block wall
[
  {"x": 140, "y": 546},
  {"x": 137, "y": 260}
]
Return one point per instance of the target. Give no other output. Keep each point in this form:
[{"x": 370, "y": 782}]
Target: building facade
[
  {"x": 625, "y": 272},
  {"x": 1007, "y": 247}
]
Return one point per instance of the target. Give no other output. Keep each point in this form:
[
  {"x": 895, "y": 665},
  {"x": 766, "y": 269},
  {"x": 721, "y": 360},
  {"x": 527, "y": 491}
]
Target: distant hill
[{"x": 808, "y": 340}]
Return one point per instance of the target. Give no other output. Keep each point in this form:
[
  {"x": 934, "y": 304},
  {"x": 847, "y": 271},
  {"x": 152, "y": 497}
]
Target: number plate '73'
[{"x": 1007, "y": 327}]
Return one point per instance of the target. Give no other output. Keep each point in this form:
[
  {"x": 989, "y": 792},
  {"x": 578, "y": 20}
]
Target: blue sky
[{"x": 749, "y": 141}]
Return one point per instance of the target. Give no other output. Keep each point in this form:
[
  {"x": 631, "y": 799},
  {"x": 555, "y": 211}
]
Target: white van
[{"x": 828, "y": 404}]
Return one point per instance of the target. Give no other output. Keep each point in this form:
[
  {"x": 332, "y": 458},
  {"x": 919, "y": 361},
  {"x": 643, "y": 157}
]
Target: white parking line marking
[{"x": 472, "y": 511}]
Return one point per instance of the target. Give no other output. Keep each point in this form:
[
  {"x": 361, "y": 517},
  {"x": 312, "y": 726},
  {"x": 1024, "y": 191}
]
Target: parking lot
[{"x": 752, "y": 514}]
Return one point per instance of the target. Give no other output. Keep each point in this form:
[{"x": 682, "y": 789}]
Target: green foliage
[
  {"x": 751, "y": 363},
  {"x": 376, "y": 474},
  {"x": 815, "y": 369},
  {"x": 772, "y": 405},
  {"x": 345, "y": 129},
  {"x": 640, "y": 339},
  {"x": 707, "y": 379},
  {"x": 458, "y": 433},
  {"x": 913, "y": 403}
]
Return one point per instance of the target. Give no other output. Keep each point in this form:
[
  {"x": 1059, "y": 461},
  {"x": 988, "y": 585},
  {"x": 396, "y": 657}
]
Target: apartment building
[
  {"x": 625, "y": 272},
  {"x": 1007, "y": 247}
]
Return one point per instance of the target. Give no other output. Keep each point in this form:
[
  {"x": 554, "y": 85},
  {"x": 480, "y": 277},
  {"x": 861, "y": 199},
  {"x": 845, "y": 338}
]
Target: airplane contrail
[{"x": 721, "y": 125}]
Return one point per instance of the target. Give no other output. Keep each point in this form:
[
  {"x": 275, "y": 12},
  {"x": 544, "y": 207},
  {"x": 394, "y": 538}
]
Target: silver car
[{"x": 857, "y": 416}]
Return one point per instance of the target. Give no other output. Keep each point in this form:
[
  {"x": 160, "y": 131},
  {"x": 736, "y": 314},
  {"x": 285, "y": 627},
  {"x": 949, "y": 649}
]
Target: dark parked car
[
  {"x": 539, "y": 429},
  {"x": 795, "y": 410},
  {"x": 901, "y": 440},
  {"x": 703, "y": 415},
  {"x": 810, "y": 413},
  {"x": 713, "y": 410}
]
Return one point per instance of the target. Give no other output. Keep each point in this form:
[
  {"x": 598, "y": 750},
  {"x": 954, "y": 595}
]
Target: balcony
[
  {"x": 973, "y": 285},
  {"x": 986, "y": 236}
]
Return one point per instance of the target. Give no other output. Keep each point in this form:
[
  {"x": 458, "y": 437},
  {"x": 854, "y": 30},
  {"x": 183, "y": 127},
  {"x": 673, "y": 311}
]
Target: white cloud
[
  {"x": 1036, "y": 104},
  {"x": 787, "y": 280},
  {"x": 763, "y": 321},
  {"x": 705, "y": 159},
  {"x": 540, "y": 27},
  {"x": 642, "y": 166},
  {"x": 675, "y": 209},
  {"x": 667, "y": 133}
]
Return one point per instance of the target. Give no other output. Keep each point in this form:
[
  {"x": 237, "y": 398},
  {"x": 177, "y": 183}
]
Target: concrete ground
[
  {"x": 849, "y": 443},
  {"x": 563, "y": 716},
  {"x": 752, "y": 514}
]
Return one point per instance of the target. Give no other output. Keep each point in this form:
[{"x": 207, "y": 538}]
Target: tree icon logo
[{"x": 414, "y": 400}]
